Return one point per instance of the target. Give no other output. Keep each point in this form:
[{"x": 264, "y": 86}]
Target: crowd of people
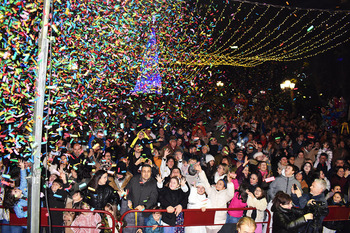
[{"x": 293, "y": 167}]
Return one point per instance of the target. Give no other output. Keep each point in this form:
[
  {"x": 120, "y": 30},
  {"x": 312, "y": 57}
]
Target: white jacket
[
  {"x": 218, "y": 199},
  {"x": 260, "y": 206}
]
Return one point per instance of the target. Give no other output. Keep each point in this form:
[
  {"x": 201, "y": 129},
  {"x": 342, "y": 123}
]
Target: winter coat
[
  {"x": 142, "y": 193},
  {"x": 114, "y": 183},
  {"x": 90, "y": 220},
  {"x": 218, "y": 199},
  {"x": 152, "y": 222},
  {"x": 168, "y": 197},
  {"x": 288, "y": 221},
  {"x": 236, "y": 203},
  {"x": 197, "y": 201},
  {"x": 260, "y": 206},
  {"x": 101, "y": 196},
  {"x": 284, "y": 184}
]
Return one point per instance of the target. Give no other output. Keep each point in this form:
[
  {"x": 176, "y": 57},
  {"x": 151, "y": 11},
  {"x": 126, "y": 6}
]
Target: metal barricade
[
  {"x": 196, "y": 217},
  {"x": 14, "y": 221}
]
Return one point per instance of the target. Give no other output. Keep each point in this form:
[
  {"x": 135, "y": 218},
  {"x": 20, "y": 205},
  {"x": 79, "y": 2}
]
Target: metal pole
[{"x": 34, "y": 181}]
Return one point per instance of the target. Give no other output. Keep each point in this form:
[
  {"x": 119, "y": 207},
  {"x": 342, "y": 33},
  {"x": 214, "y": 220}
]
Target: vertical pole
[{"x": 34, "y": 181}]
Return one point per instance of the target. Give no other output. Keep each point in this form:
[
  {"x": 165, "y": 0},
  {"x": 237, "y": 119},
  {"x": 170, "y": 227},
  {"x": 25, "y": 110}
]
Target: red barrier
[
  {"x": 14, "y": 221},
  {"x": 338, "y": 213},
  {"x": 195, "y": 217}
]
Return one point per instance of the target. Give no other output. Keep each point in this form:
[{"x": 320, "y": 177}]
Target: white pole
[{"x": 34, "y": 180}]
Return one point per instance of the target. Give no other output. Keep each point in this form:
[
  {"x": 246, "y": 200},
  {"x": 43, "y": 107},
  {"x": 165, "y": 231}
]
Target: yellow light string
[
  {"x": 321, "y": 39},
  {"x": 229, "y": 23},
  {"x": 302, "y": 30},
  {"x": 219, "y": 51}
]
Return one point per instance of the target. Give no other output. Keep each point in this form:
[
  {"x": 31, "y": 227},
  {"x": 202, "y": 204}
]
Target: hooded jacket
[
  {"x": 284, "y": 184},
  {"x": 288, "y": 221}
]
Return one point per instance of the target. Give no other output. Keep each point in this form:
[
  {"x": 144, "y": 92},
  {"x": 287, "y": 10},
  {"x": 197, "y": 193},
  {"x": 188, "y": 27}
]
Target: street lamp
[
  {"x": 287, "y": 85},
  {"x": 220, "y": 84}
]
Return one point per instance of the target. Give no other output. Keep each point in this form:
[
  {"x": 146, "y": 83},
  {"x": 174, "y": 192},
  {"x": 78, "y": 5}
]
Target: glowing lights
[
  {"x": 220, "y": 84},
  {"x": 287, "y": 85}
]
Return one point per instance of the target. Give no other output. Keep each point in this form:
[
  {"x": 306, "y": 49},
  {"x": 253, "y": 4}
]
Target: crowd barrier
[
  {"x": 192, "y": 217},
  {"x": 196, "y": 217}
]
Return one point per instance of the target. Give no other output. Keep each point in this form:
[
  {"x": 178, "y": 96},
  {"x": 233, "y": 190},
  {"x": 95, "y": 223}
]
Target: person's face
[
  {"x": 258, "y": 192},
  {"x": 170, "y": 163},
  {"x": 55, "y": 186},
  {"x": 325, "y": 145},
  {"x": 204, "y": 150},
  {"x": 299, "y": 176},
  {"x": 246, "y": 229},
  {"x": 156, "y": 216},
  {"x": 240, "y": 156},
  {"x": 179, "y": 142},
  {"x": 146, "y": 173},
  {"x": 315, "y": 189},
  {"x": 284, "y": 161},
  {"x": 211, "y": 163},
  {"x": 301, "y": 155},
  {"x": 178, "y": 155},
  {"x": 108, "y": 157},
  {"x": 172, "y": 143},
  {"x": 175, "y": 173},
  {"x": 307, "y": 167},
  {"x": 77, "y": 149},
  {"x": 341, "y": 172},
  {"x": 337, "y": 198},
  {"x": 337, "y": 189},
  {"x": 253, "y": 179},
  {"x": 339, "y": 163},
  {"x": 173, "y": 184},
  {"x": 284, "y": 144},
  {"x": 287, "y": 206},
  {"x": 77, "y": 197},
  {"x": 220, "y": 170},
  {"x": 246, "y": 171},
  {"x": 323, "y": 159},
  {"x": 103, "y": 179},
  {"x": 74, "y": 174},
  {"x": 309, "y": 147},
  {"x": 220, "y": 185},
  {"x": 289, "y": 171},
  {"x": 225, "y": 161},
  {"x": 291, "y": 160},
  {"x": 263, "y": 166},
  {"x": 138, "y": 148},
  {"x": 17, "y": 193},
  {"x": 59, "y": 143},
  {"x": 200, "y": 190},
  {"x": 52, "y": 178}
]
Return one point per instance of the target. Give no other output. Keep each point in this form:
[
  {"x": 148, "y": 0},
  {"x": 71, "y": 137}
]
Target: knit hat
[
  {"x": 257, "y": 154},
  {"x": 209, "y": 158}
]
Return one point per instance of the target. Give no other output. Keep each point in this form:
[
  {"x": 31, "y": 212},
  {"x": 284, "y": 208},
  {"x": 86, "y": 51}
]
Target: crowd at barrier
[{"x": 293, "y": 167}]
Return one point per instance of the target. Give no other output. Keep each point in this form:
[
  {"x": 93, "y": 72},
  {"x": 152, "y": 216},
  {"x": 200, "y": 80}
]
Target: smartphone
[{"x": 295, "y": 187}]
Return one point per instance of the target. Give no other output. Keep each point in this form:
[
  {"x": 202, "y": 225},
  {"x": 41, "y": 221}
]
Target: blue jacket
[
  {"x": 18, "y": 208},
  {"x": 152, "y": 222}
]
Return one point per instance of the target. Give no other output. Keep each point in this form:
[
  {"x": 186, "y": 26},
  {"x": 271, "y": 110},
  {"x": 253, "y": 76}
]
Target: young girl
[
  {"x": 173, "y": 199},
  {"x": 238, "y": 201},
  {"x": 107, "y": 220},
  {"x": 257, "y": 200},
  {"x": 87, "y": 219},
  {"x": 264, "y": 170}
]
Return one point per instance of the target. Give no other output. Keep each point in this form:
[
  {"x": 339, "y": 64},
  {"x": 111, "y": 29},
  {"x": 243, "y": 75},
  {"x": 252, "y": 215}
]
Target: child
[
  {"x": 233, "y": 176},
  {"x": 16, "y": 198},
  {"x": 86, "y": 219},
  {"x": 107, "y": 220},
  {"x": 56, "y": 196},
  {"x": 258, "y": 201},
  {"x": 336, "y": 199},
  {"x": 155, "y": 220}
]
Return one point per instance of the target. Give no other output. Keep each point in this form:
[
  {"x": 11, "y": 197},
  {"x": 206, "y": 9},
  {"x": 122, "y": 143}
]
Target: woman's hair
[
  {"x": 246, "y": 221},
  {"x": 242, "y": 194},
  {"x": 94, "y": 181},
  {"x": 311, "y": 170},
  {"x": 280, "y": 198},
  {"x": 112, "y": 208},
  {"x": 225, "y": 167},
  {"x": 263, "y": 193},
  {"x": 9, "y": 199},
  {"x": 175, "y": 178},
  {"x": 176, "y": 168}
]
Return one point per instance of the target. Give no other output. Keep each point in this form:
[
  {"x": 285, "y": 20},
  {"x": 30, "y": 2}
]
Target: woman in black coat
[
  {"x": 173, "y": 199},
  {"x": 99, "y": 193},
  {"x": 286, "y": 218}
]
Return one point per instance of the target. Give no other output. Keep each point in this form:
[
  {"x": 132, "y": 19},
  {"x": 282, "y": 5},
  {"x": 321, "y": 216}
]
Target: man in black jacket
[
  {"x": 142, "y": 194},
  {"x": 314, "y": 202}
]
